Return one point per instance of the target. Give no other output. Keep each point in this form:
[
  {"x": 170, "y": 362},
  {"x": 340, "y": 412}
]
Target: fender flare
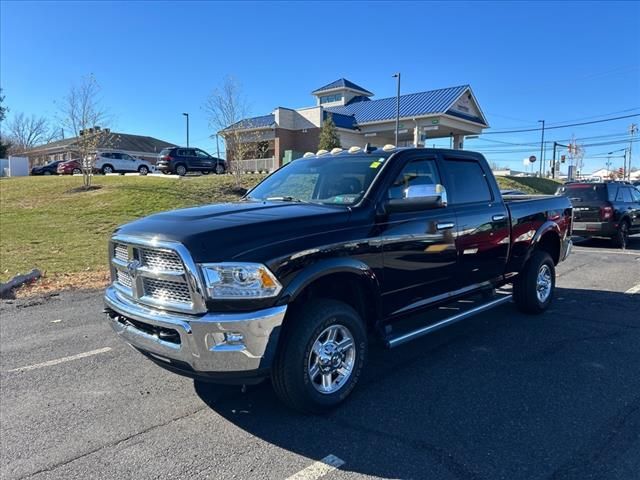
[
  {"x": 324, "y": 268},
  {"x": 545, "y": 228}
]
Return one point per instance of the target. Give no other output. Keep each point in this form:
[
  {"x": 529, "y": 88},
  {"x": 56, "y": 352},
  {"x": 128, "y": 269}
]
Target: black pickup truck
[{"x": 325, "y": 254}]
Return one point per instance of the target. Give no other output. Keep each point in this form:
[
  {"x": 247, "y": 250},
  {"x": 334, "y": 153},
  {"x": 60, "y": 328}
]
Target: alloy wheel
[
  {"x": 332, "y": 359},
  {"x": 544, "y": 283}
]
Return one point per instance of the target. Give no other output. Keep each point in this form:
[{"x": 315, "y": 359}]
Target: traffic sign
[{"x": 532, "y": 158}]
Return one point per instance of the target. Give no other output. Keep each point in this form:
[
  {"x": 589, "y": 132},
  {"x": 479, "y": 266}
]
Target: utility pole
[
  {"x": 633, "y": 129},
  {"x": 218, "y": 145},
  {"x": 397, "y": 75},
  {"x": 187, "y": 115},
  {"x": 542, "y": 148}
]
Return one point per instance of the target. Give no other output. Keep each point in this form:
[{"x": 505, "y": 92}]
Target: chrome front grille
[
  {"x": 161, "y": 260},
  {"x": 124, "y": 279},
  {"x": 166, "y": 290},
  {"x": 162, "y": 275}
]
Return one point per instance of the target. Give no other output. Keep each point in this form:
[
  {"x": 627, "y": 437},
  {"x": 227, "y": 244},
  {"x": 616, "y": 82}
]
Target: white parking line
[
  {"x": 318, "y": 469},
  {"x": 61, "y": 360},
  {"x": 633, "y": 290}
]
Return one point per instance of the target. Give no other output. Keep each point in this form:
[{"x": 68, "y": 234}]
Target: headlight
[{"x": 239, "y": 280}]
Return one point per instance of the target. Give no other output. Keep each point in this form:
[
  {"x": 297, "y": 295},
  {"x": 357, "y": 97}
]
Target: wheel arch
[
  {"x": 346, "y": 280},
  {"x": 547, "y": 239}
]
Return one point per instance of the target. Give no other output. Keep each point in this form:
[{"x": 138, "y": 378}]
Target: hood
[{"x": 226, "y": 231}]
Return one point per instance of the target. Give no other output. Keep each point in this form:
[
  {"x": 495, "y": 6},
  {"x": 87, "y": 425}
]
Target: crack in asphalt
[{"x": 110, "y": 444}]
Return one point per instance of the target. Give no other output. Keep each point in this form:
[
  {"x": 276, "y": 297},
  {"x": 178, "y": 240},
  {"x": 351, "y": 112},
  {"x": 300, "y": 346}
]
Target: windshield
[{"x": 339, "y": 180}]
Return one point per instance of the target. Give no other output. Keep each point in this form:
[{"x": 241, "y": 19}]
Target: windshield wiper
[{"x": 285, "y": 198}]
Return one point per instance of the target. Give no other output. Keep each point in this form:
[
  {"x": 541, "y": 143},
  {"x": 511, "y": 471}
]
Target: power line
[{"x": 563, "y": 126}]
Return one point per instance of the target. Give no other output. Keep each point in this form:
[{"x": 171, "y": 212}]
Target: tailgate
[{"x": 586, "y": 213}]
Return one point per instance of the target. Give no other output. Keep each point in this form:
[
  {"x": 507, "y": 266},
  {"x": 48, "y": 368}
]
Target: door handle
[
  {"x": 499, "y": 217},
  {"x": 444, "y": 225}
]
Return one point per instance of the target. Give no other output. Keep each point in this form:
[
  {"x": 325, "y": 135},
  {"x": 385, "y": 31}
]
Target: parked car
[
  {"x": 69, "y": 167},
  {"x": 112, "y": 162},
  {"x": 609, "y": 209},
  {"x": 181, "y": 160},
  {"x": 292, "y": 280},
  {"x": 50, "y": 168}
]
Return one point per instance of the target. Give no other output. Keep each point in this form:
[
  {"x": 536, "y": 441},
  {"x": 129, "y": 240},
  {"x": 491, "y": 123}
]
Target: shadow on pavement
[
  {"x": 501, "y": 395},
  {"x": 633, "y": 245}
]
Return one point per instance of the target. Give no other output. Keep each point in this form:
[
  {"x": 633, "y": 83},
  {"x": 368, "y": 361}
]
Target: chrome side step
[{"x": 392, "y": 342}]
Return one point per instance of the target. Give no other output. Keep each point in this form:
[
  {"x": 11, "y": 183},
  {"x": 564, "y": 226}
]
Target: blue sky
[{"x": 558, "y": 61}]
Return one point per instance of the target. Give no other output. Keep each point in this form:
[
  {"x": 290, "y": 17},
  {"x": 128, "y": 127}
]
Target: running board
[{"x": 406, "y": 337}]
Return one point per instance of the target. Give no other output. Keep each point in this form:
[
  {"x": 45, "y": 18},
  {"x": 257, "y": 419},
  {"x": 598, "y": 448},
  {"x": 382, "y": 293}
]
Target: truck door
[
  {"x": 419, "y": 254},
  {"x": 483, "y": 231}
]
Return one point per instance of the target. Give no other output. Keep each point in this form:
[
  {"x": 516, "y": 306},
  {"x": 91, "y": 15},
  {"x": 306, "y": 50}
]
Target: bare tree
[
  {"x": 227, "y": 110},
  {"x": 27, "y": 132},
  {"x": 81, "y": 112}
]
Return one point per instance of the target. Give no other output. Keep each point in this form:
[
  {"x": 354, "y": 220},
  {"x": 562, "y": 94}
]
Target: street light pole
[
  {"x": 397, "y": 75},
  {"x": 541, "y": 148},
  {"x": 187, "y": 115}
]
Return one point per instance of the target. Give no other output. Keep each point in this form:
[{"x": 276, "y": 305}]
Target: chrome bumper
[{"x": 211, "y": 343}]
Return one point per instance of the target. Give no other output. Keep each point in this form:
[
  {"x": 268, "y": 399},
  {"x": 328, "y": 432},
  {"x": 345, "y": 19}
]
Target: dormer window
[{"x": 331, "y": 98}]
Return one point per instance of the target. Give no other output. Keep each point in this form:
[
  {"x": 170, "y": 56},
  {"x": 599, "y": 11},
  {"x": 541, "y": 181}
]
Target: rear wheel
[
  {"x": 143, "y": 170},
  {"x": 621, "y": 239},
  {"x": 181, "y": 170},
  {"x": 107, "y": 169},
  {"x": 321, "y": 357},
  {"x": 76, "y": 171},
  {"x": 534, "y": 287}
]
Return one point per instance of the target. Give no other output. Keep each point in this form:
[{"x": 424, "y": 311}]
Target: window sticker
[{"x": 375, "y": 164}]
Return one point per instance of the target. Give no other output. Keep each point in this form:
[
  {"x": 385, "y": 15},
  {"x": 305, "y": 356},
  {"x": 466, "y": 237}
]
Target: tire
[
  {"x": 47, "y": 172},
  {"x": 292, "y": 374},
  {"x": 621, "y": 239},
  {"x": 220, "y": 169},
  {"x": 107, "y": 169},
  {"x": 143, "y": 170},
  {"x": 76, "y": 171},
  {"x": 181, "y": 170},
  {"x": 534, "y": 287},
  {"x": 206, "y": 172}
]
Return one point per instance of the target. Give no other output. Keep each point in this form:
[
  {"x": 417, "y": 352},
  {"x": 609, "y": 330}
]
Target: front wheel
[
  {"x": 321, "y": 356},
  {"x": 143, "y": 170},
  {"x": 76, "y": 171},
  {"x": 534, "y": 287},
  {"x": 219, "y": 169}
]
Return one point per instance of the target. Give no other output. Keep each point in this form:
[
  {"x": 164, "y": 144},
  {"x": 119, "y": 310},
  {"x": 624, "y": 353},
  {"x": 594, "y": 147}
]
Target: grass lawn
[{"x": 45, "y": 225}]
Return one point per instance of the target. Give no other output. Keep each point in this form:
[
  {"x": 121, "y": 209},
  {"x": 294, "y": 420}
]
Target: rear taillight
[
  {"x": 167, "y": 158},
  {"x": 606, "y": 212}
]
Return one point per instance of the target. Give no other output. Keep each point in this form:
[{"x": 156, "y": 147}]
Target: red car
[{"x": 69, "y": 167}]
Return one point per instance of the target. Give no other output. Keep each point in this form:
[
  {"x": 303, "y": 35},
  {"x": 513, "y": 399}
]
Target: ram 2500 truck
[{"x": 324, "y": 255}]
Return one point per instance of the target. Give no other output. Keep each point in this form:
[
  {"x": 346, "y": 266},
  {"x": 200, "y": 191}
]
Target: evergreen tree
[{"x": 328, "y": 135}]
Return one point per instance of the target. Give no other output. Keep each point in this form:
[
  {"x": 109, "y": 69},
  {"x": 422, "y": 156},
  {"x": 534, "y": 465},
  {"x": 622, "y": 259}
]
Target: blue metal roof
[
  {"x": 254, "y": 122},
  {"x": 411, "y": 105},
  {"x": 341, "y": 83},
  {"x": 341, "y": 120}
]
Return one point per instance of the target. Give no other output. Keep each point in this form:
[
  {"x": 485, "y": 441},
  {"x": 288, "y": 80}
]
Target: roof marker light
[
  {"x": 354, "y": 149},
  {"x": 308, "y": 154},
  {"x": 322, "y": 152},
  {"x": 388, "y": 147},
  {"x": 335, "y": 150}
]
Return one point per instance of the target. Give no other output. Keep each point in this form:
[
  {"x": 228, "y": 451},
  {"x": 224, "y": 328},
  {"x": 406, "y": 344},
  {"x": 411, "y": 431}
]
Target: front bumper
[{"x": 228, "y": 344}]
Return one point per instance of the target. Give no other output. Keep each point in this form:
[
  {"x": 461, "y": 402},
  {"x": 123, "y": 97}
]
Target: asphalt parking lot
[{"x": 499, "y": 396}]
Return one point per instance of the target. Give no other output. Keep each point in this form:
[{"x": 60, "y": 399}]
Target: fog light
[{"x": 234, "y": 338}]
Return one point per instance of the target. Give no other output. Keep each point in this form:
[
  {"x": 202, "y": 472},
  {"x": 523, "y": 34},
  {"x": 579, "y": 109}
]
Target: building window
[{"x": 331, "y": 98}]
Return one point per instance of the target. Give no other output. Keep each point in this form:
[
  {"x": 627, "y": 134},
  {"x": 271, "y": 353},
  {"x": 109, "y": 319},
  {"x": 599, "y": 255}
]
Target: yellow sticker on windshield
[{"x": 374, "y": 165}]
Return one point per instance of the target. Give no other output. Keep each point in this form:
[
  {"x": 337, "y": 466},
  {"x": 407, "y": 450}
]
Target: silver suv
[{"x": 111, "y": 162}]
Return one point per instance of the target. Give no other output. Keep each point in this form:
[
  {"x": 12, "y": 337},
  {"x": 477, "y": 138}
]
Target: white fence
[
  {"x": 257, "y": 165},
  {"x": 14, "y": 167}
]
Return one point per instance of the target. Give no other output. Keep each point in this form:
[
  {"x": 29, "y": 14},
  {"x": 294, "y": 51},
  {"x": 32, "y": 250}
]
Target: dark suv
[
  {"x": 609, "y": 209},
  {"x": 182, "y": 160}
]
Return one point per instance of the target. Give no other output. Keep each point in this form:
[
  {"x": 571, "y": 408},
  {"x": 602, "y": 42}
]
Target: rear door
[
  {"x": 419, "y": 252},
  {"x": 631, "y": 205},
  {"x": 483, "y": 232}
]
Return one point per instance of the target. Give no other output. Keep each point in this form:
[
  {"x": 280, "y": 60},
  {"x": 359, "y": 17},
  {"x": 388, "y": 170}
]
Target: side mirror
[{"x": 419, "y": 197}]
